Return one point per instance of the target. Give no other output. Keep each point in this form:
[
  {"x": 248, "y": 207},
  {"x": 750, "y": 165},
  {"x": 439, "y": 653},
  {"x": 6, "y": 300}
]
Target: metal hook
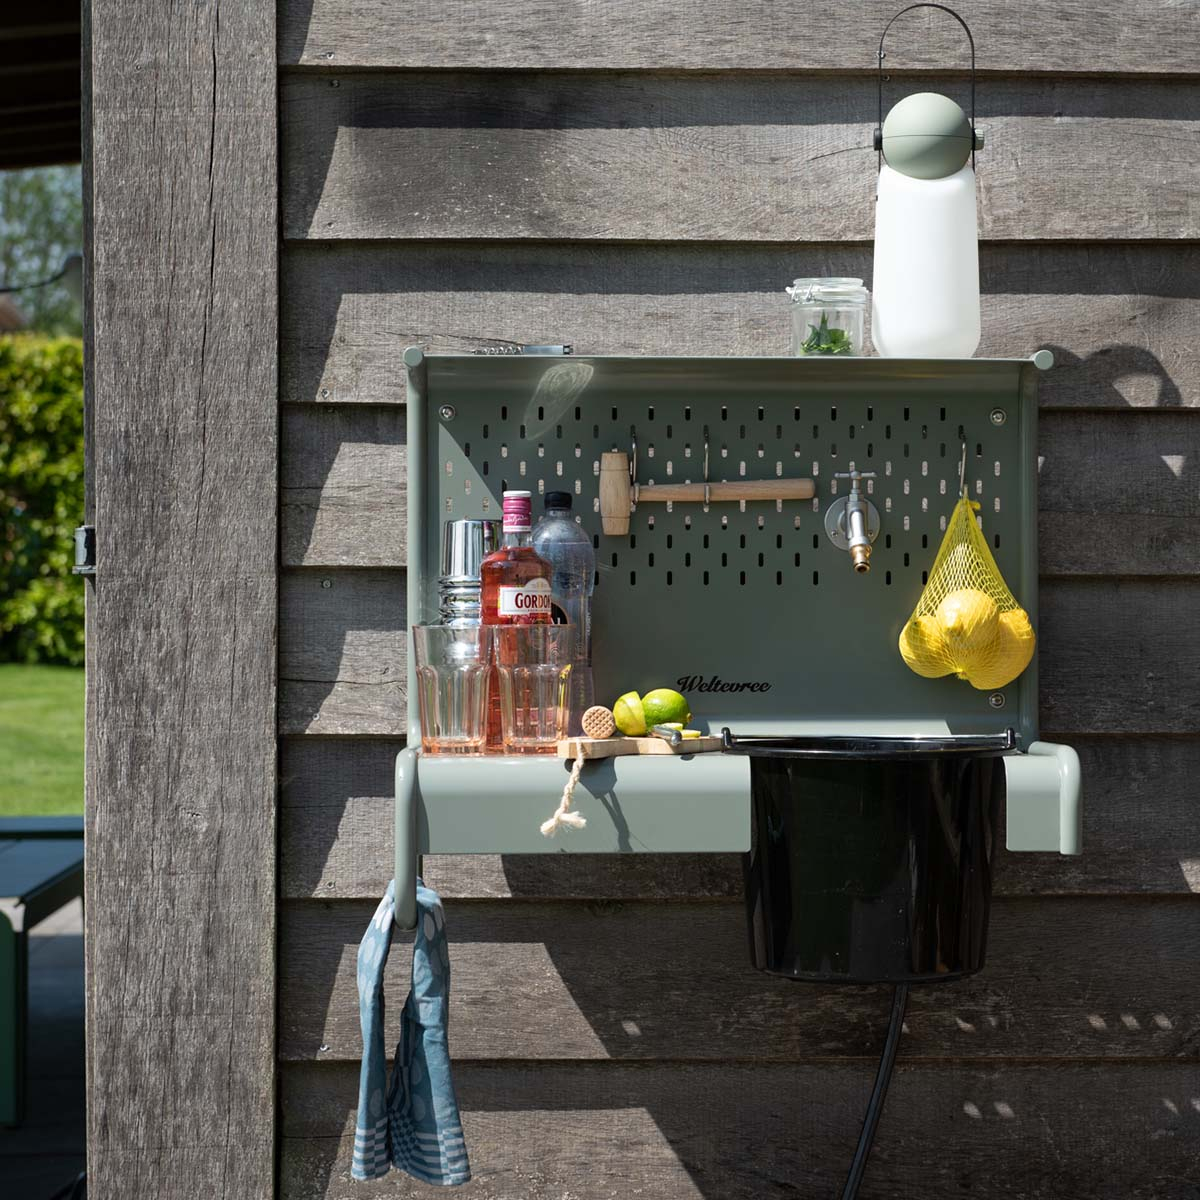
[
  {"x": 706, "y": 488},
  {"x": 962, "y": 470}
]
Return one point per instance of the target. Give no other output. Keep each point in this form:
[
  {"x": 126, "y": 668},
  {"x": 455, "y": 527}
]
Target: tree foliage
[
  {"x": 41, "y": 222},
  {"x": 41, "y": 498}
]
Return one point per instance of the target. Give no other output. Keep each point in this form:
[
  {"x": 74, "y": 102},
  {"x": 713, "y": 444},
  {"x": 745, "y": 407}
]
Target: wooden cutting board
[{"x": 615, "y": 747}]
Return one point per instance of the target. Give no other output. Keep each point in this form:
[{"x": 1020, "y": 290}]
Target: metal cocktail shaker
[{"x": 465, "y": 544}]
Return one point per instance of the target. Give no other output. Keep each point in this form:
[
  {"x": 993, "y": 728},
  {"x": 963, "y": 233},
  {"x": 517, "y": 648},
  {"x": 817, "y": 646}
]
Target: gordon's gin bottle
[{"x": 514, "y": 587}]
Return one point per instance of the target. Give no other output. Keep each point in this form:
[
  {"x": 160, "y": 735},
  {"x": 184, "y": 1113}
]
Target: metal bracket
[
  {"x": 1044, "y": 806},
  {"x": 835, "y": 522},
  {"x": 85, "y": 550}
]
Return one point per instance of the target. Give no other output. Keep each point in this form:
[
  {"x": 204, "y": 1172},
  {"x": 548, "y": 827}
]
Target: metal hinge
[{"x": 85, "y": 550}]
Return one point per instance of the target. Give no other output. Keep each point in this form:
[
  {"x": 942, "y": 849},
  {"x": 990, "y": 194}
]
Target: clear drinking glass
[
  {"x": 533, "y": 666},
  {"x": 452, "y": 668}
]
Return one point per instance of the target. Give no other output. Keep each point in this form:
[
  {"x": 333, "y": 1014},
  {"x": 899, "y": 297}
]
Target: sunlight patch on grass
[{"x": 41, "y": 740}]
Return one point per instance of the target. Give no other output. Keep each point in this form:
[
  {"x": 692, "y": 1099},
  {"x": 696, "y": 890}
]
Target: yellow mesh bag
[{"x": 967, "y": 623}]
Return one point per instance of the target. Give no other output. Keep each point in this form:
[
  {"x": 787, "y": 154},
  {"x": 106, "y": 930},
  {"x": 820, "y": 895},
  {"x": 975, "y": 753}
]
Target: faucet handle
[{"x": 854, "y": 474}]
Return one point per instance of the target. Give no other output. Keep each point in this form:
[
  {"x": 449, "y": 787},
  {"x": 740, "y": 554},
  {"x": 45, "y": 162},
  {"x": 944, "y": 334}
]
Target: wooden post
[{"x": 180, "y": 153}]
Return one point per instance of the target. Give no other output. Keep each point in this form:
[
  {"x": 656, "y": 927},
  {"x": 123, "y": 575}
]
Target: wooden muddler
[{"x": 617, "y": 491}]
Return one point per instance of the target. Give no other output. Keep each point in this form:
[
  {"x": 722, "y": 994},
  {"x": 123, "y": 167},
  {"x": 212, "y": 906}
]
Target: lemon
[
  {"x": 690, "y": 733},
  {"x": 1010, "y": 656},
  {"x": 969, "y": 622},
  {"x": 665, "y": 707},
  {"x": 629, "y": 714},
  {"x": 924, "y": 649}
]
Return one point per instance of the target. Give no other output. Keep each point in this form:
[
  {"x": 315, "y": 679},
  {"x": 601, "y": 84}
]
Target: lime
[
  {"x": 629, "y": 715},
  {"x": 663, "y": 706}
]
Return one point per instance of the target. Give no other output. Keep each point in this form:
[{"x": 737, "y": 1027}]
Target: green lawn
[{"x": 41, "y": 740}]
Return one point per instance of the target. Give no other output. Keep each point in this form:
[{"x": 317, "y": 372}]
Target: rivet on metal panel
[
  {"x": 996, "y": 700},
  {"x": 327, "y": 583},
  {"x": 998, "y": 416},
  {"x": 446, "y": 412}
]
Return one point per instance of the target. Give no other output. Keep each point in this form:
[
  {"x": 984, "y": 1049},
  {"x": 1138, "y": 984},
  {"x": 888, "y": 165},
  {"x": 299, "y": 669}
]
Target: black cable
[
  {"x": 75, "y": 1190},
  {"x": 878, "y": 1094},
  {"x": 24, "y": 287}
]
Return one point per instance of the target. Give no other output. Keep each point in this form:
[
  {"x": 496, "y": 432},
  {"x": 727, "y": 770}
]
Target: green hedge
[{"x": 41, "y": 498}]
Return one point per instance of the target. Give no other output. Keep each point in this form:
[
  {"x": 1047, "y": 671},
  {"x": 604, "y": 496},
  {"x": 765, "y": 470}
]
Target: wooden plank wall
[{"x": 639, "y": 177}]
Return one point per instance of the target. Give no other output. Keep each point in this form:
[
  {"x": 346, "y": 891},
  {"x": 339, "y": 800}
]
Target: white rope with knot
[{"x": 565, "y": 814}]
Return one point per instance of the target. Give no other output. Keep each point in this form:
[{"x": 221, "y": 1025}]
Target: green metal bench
[{"x": 41, "y": 870}]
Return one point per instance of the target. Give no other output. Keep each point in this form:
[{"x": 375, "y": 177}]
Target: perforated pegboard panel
[{"x": 750, "y": 593}]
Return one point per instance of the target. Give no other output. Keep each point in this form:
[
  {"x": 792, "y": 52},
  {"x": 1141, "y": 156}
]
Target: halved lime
[{"x": 629, "y": 714}]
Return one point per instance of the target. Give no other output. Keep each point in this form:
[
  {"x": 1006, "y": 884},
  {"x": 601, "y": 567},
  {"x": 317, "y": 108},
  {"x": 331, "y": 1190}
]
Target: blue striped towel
[{"x": 417, "y": 1127}]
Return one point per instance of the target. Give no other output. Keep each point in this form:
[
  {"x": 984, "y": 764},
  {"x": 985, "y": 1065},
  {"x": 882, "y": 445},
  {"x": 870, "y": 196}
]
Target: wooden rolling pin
[{"x": 617, "y": 491}]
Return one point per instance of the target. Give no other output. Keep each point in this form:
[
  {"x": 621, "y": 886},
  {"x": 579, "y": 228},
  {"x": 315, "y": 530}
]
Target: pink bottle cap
[{"x": 518, "y": 511}]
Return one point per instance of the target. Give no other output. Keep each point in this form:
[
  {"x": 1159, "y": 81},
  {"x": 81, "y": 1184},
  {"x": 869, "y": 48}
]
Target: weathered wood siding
[
  {"x": 182, "y": 446},
  {"x": 644, "y": 177}
]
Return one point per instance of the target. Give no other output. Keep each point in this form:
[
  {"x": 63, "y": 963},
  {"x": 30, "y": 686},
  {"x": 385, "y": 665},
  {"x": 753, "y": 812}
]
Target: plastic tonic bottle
[{"x": 561, "y": 542}]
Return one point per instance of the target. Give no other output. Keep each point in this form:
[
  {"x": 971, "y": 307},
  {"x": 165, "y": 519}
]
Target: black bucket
[{"x": 871, "y": 858}]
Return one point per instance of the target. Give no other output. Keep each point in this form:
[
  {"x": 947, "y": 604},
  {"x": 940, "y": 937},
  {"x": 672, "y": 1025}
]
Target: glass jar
[{"x": 827, "y": 316}]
